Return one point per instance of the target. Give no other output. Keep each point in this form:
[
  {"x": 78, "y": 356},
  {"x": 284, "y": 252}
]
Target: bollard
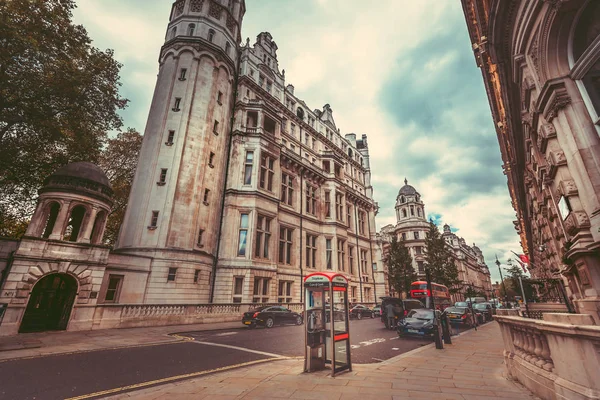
[{"x": 446, "y": 329}]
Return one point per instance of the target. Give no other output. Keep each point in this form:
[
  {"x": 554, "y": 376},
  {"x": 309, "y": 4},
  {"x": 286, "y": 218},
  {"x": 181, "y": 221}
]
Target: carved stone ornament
[
  {"x": 546, "y": 132},
  {"x": 179, "y": 8},
  {"x": 533, "y": 54},
  {"x": 568, "y": 188},
  {"x": 553, "y": 98},
  {"x": 196, "y": 5},
  {"x": 214, "y": 10},
  {"x": 230, "y": 24},
  {"x": 576, "y": 221}
]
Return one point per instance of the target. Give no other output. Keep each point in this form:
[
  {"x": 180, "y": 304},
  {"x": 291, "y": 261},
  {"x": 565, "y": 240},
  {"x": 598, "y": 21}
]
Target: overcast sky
[{"x": 400, "y": 71}]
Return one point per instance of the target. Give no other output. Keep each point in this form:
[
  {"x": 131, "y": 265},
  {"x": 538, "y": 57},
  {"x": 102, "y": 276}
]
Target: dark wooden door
[{"x": 50, "y": 304}]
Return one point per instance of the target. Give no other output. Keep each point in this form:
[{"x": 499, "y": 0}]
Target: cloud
[{"x": 404, "y": 74}]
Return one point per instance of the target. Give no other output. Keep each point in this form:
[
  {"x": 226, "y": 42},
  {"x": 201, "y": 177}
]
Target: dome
[
  {"x": 407, "y": 190},
  {"x": 83, "y": 170}
]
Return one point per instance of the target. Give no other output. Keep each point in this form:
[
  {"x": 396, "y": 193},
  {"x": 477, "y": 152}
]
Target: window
[
  {"x": 354, "y": 293},
  {"x": 412, "y": 210},
  {"x": 211, "y": 159},
  {"x": 266, "y": 172},
  {"x": 293, "y": 129},
  {"x": 287, "y": 189},
  {"x": 173, "y": 33},
  {"x": 216, "y": 127},
  {"x": 416, "y": 235},
  {"x": 172, "y": 274},
  {"x": 211, "y": 35},
  {"x": 367, "y": 295},
  {"x": 328, "y": 252},
  {"x": 311, "y": 251},
  {"x": 196, "y": 276},
  {"x": 419, "y": 211},
  {"x": 285, "y": 292},
  {"x": 243, "y": 235},
  {"x": 341, "y": 261},
  {"x": 238, "y": 288},
  {"x": 361, "y": 222},
  {"x": 420, "y": 267},
  {"x": 206, "y": 195},
  {"x": 349, "y": 216},
  {"x": 177, "y": 104},
  {"x": 114, "y": 288},
  {"x": 351, "y": 259},
  {"x": 199, "y": 241},
  {"x": 327, "y": 204},
  {"x": 153, "y": 220},
  {"x": 403, "y": 235},
  {"x": 363, "y": 261},
  {"x": 248, "y": 167},
  {"x": 170, "y": 138},
  {"x": 404, "y": 213},
  {"x": 162, "y": 177},
  {"x": 339, "y": 207},
  {"x": 306, "y": 139},
  {"x": 220, "y": 98},
  {"x": 227, "y": 48},
  {"x": 418, "y": 250},
  {"x": 261, "y": 80},
  {"x": 311, "y": 199},
  {"x": 285, "y": 245},
  {"x": 261, "y": 288},
  {"x": 263, "y": 237},
  {"x": 191, "y": 29},
  {"x": 182, "y": 74}
]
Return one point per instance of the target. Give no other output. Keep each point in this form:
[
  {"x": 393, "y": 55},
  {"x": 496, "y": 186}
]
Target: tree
[
  {"x": 400, "y": 270},
  {"x": 119, "y": 160},
  {"x": 58, "y": 99},
  {"x": 439, "y": 260},
  {"x": 515, "y": 272}
]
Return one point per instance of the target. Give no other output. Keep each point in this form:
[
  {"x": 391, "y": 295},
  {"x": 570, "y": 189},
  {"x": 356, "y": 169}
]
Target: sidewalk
[
  {"x": 469, "y": 369},
  {"x": 46, "y": 343}
]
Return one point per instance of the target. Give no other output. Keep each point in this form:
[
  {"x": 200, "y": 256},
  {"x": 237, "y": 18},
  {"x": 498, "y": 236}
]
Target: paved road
[{"x": 80, "y": 374}]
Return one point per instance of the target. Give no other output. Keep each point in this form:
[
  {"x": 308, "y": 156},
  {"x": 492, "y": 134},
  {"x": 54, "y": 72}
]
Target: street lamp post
[{"x": 502, "y": 279}]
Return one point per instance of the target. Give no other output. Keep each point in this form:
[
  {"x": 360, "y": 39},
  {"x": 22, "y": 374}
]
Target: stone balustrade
[{"x": 554, "y": 358}]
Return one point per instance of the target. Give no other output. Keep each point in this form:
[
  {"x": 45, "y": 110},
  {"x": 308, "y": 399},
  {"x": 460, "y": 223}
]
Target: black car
[
  {"x": 419, "y": 322},
  {"x": 459, "y": 315},
  {"x": 359, "y": 312},
  {"x": 271, "y": 315},
  {"x": 405, "y": 306},
  {"x": 485, "y": 309}
]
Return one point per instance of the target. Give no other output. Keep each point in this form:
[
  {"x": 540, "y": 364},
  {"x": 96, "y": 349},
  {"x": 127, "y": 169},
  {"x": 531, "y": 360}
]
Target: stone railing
[{"x": 554, "y": 358}]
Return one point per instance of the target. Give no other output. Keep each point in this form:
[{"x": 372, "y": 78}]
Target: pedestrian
[
  {"x": 389, "y": 313},
  {"x": 398, "y": 313}
]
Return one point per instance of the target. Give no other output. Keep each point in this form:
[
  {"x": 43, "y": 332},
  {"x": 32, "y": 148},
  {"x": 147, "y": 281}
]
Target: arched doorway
[{"x": 50, "y": 304}]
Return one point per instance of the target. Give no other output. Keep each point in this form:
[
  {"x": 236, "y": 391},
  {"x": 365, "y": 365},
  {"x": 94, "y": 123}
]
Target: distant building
[
  {"x": 412, "y": 227},
  {"x": 540, "y": 65}
]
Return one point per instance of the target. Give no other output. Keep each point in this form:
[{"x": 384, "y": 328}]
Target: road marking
[
  {"x": 170, "y": 379},
  {"x": 373, "y": 341},
  {"x": 226, "y": 334},
  {"x": 354, "y": 346},
  {"x": 241, "y": 349},
  {"x": 395, "y": 348}
]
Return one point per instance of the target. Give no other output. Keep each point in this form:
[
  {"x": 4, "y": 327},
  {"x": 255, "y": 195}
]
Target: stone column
[
  {"x": 38, "y": 219},
  {"x": 61, "y": 221},
  {"x": 86, "y": 231}
]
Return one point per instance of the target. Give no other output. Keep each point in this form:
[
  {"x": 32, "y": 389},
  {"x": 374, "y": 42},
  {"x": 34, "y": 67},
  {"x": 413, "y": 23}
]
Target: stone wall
[{"x": 555, "y": 358}]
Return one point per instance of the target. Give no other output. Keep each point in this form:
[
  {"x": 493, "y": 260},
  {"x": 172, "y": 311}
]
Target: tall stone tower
[{"x": 175, "y": 202}]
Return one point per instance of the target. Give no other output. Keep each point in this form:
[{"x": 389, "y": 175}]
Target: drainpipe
[
  {"x": 232, "y": 119},
  {"x": 301, "y": 215},
  {"x": 358, "y": 249},
  {"x": 371, "y": 250}
]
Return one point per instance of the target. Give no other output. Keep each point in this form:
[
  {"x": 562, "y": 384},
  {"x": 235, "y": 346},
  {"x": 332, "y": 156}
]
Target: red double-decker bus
[{"x": 441, "y": 294}]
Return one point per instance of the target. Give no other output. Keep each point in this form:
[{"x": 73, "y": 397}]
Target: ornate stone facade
[
  {"x": 540, "y": 63},
  {"x": 412, "y": 227}
]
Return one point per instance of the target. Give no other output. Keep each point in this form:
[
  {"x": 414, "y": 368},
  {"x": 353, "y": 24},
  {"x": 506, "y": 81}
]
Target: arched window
[
  {"x": 227, "y": 48},
  {"x": 52, "y": 210},
  {"x": 96, "y": 237},
  {"x": 350, "y": 153},
  {"x": 404, "y": 213},
  {"x": 74, "y": 225},
  {"x": 191, "y": 29},
  {"x": 173, "y": 33},
  {"x": 402, "y": 199},
  {"x": 211, "y": 35}
]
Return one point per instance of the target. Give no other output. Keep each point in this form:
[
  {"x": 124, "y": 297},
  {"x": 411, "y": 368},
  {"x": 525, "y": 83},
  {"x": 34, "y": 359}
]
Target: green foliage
[
  {"x": 439, "y": 260},
  {"x": 58, "y": 99},
  {"x": 400, "y": 270},
  {"x": 118, "y": 160},
  {"x": 515, "y": 271}
]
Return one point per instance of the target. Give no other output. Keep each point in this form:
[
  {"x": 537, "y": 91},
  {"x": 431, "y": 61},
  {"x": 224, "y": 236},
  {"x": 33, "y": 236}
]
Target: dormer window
[
  {"x": 211, "y": 35},
  {"x": 191, "y": 29}
]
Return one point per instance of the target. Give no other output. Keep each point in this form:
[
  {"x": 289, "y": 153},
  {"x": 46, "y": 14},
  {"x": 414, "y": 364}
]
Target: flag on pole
[{"x": 523, "y": 260}]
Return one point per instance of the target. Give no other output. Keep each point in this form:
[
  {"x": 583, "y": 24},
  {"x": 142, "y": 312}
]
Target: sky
[{"x": 400, "y": 71}]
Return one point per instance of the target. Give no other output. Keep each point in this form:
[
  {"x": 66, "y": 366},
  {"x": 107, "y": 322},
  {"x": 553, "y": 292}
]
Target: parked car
[
  {"x": 419, "y": 322},
  {"x": 486, "y": 310},
  {"x": 479, "y": 316},
  {"x": 377, "y": 310},
  {"x": 461, "y": 304},
  {"x": 405, "y": 304},
  {"x": 359, "y": 312},
  {"x": 271, "y": 315},
  {"x": 460, "y": 315}
]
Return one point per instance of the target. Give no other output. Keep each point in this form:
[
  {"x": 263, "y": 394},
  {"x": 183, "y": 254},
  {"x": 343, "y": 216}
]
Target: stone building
[
  {"x": 540, "y": 65},
  {"x": 412, "y": 227},
  {"x": 240, "y": 191}
]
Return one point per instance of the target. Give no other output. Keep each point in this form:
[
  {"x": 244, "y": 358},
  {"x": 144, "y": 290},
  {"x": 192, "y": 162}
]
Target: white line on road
[
  {"x": 240, "y": 348},
  {"x": 226, "y": 334}
]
